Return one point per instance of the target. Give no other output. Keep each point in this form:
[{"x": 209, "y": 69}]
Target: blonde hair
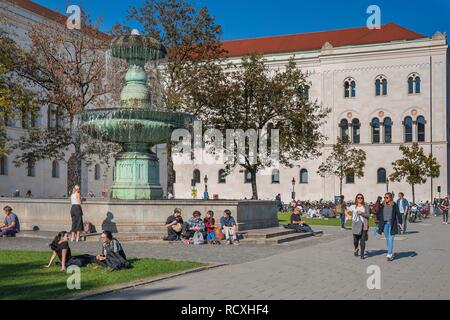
[{"x": 76, "y": 189}]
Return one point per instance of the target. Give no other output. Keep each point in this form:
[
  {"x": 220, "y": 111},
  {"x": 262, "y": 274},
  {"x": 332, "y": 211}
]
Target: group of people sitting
[
  {"x": 112, "y": 254},
  {"x": 198, "y": 231}
]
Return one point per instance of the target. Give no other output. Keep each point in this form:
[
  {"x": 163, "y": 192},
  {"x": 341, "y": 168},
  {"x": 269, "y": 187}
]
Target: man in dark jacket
[{"x": 389, "y": 223}]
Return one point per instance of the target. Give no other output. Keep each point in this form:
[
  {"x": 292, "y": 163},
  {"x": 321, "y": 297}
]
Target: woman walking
[
  {"x": 389, "y": 223},
  {"x": 360, "y": 224},
  {"x": 76, "y": 213},
  {"x": 445, "y": 205}
]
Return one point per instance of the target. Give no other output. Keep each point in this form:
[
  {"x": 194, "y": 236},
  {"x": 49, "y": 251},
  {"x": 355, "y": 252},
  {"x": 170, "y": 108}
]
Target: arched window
[
  {"x": 408, "y": 129},
  {"x": 55, "y": 169},
  {"x": 381, "y": 86},
  {"x": 349, "y": 88},
  {"x": 375, "y": 130},
  {"x": 247, "y": 176},
  {"x": 381, "y": 175},
  {"x": 304, "y": 176},
  {"x": 414, "y": 83},
  {"x": 276, "y": 176},
  {"x": 356, "y": 131},
  {"x": 344, "y": 131},
  {"x": 3, "y": 166},
  {"x": 350, "y": 179},
  {"x": 196, "y": 176},
  {"x": 421, "y": 129},
  {"x": 31, "y": 169},
  {"x": 97, "y": 172},
  {"x": 222, "y": 176},
  {"x": 387, "y": 130}
]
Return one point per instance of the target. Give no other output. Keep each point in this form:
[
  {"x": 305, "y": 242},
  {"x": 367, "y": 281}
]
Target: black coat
[{"x": 396, "y": 220}]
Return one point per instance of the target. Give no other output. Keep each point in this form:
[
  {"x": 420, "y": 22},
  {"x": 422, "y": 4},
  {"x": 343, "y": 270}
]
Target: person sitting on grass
[
  {"x": 229, "y": 227},
  {"x": 192, "y": 226},
  {"x": 174, "y": 225},
  {"x": 61, "y": 249},
  {"x": 10, "y": 225},
  {"x": 297, "y": 224},
  {"x": 210, "y": 224},
  {"x": 113, "y": 255}
]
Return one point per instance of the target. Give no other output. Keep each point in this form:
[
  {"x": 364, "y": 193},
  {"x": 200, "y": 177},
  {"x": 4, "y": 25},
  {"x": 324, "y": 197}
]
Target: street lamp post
[
  {"x": 206, "y": 194},
  {"x": 293, "y": 188}
]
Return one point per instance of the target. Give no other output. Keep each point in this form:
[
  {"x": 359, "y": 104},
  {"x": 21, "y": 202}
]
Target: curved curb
[{"x": 142, "y": 282}]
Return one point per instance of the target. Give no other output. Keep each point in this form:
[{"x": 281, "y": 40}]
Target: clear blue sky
[{"x": 258, "y": 18}]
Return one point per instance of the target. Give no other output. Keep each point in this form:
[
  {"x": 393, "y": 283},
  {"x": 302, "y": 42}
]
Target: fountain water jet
[{"x": 136, "y": 125}]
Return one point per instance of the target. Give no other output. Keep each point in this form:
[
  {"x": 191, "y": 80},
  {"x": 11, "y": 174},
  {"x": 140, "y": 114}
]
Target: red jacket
[{"x": 209, "y": 224}]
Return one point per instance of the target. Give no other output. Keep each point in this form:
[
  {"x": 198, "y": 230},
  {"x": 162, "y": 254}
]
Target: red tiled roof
[
  {"x": 279, "y": 44},
  {"x": 315, "y": 40}
]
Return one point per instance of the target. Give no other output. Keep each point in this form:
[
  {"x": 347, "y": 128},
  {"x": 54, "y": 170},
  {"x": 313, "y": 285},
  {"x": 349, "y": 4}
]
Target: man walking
[
  {"x": 389, "y": 223},
  {"x": 403, "y": 206}
]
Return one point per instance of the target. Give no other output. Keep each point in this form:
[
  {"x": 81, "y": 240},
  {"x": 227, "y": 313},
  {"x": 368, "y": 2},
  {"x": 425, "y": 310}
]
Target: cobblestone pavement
[
  {"x": 323, "y": 270},
  {"x": 210, "y": 254}
]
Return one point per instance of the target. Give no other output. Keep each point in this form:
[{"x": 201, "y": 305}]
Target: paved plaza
[
  {"x": 326, "y": 270},
  {"x": 315, "y": 268}
]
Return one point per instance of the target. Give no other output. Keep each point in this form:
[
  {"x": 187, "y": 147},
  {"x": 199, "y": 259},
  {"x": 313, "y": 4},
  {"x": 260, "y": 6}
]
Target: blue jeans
[
  {"x": 342, "y": 219},
  {"x": 389, "y": 238},
  {"x": 375, "y": 231},
  {"x": 211, "y": 236}
]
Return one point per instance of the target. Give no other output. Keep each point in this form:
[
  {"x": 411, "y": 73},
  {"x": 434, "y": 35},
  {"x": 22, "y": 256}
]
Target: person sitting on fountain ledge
[
  {"x": 10, "y": 225},
  {"x": 229, "y": 228},
  {"x": 174, "y": 225},
  {"x": 193, "y": 226}
]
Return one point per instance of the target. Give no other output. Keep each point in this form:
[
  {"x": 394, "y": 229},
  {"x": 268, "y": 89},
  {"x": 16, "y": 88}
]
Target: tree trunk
[
  {"x": 254, "y": 185},
  {"x": 340, "y": 186},
  {"x": 413, "y": 193},
  {"x": 170, "y": 171}
]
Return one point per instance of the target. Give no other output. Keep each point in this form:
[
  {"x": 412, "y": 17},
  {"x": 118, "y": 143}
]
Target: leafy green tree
[
  {"x": 14, "y": 98},
  {"x": 68, "y": 70},
  {"x": 253, "y": 97},
  {"x": 415, "y": 167},
  {"x": 345, "y": 160},
  {"x": 192, "y": 39}
]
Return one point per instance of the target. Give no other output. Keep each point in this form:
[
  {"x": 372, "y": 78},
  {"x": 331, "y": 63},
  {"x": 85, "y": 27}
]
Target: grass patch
[
  {"x": 285, "y": 218},
  {"x": 24, "y": 275}
]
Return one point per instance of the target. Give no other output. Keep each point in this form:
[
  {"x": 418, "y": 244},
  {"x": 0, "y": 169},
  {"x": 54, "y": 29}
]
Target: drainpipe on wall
[{"x": 431, "y": 121}]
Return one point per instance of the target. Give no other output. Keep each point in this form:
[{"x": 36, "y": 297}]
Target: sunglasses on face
[{"x": 360, "y": 198}]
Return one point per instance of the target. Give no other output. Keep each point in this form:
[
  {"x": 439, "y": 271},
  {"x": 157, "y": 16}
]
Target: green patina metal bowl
[
  {"x": 134, "y": 46},
  {"x": 127, "y": 125}
]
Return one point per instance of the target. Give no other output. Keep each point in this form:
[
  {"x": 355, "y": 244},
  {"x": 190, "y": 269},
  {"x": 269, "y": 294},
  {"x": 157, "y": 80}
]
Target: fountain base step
[{"x": 137, "y": 193}]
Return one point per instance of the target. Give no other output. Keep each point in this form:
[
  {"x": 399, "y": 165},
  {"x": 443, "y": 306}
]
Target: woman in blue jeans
[{"x": 389, "y": 223}]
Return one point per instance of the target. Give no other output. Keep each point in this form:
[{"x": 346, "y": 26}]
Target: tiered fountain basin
[{"x": 133, "y": 126}]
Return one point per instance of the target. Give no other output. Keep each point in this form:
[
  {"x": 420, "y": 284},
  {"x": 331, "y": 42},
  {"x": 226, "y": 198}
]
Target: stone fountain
[{"x": 136, "y": 124}]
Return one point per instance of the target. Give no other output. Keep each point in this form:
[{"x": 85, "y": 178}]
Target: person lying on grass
[{"x": 61, "y": 249}]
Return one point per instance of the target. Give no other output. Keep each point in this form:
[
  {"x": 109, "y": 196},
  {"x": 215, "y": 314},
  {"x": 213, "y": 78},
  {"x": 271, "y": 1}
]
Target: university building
[{"x": 384, "y": 87}]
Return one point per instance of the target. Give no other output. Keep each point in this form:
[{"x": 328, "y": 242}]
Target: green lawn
[
  {"x": 284, "y": 218},
  {"x": 23, "y": 275}
]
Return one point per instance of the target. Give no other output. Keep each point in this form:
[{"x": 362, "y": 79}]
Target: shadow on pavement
[
  {"x": 407, "y": 254},
  {"x": 374, "y": 253}
]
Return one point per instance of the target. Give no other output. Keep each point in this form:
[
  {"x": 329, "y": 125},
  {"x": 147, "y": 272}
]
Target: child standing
[{"x": 210, "y": 225}]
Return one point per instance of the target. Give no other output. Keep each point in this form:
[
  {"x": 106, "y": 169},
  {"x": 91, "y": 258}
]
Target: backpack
[{"x": 198, "y": 238}]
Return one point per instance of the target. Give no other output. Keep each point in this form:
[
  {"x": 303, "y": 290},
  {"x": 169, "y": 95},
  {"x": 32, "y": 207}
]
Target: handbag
[
  {"x": 177, "y": 228},
  {"x": 219, "y": 234}
]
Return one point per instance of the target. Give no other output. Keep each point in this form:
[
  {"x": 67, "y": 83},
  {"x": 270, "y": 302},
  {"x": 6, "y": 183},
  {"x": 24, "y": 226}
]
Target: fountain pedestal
[{"x": 136, "y": 176}]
